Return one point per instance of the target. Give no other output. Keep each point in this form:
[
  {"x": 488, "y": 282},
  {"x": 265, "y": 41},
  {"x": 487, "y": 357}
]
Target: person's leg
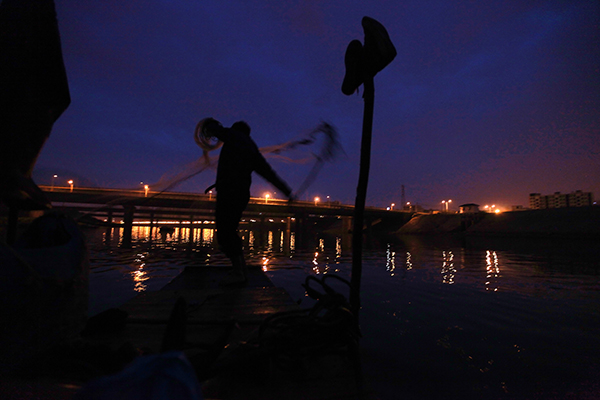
[{"x": 228, "y": 215}]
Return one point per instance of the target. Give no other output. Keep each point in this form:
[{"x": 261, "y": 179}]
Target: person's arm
[{"x": 264, "y": 169}]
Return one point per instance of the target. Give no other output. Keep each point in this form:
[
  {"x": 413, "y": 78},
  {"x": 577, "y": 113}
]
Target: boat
[{"x": 43, "y": 289}]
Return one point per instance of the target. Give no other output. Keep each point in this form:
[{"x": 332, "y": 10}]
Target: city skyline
[{"x": 485, "y": 103}]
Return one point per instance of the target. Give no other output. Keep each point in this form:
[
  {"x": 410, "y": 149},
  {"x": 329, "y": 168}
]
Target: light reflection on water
[{"x": 440, "y": 318}]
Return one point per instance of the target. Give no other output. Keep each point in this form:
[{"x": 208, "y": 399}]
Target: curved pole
[{"x": 361, "y": 194}]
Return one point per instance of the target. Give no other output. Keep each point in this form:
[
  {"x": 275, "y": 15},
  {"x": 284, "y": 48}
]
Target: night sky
[{"x": 486, "y": 101}]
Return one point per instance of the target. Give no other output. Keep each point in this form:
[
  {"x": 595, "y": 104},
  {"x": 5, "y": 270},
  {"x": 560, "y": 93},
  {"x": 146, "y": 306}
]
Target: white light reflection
[
  {"x": 270, "y": 242},
  {"x": 251, "y": 241},
  {"x": 448, "y": 270},
  {"x": 492, "y": 271},
  {"x": 207, "y": 236},
  {"x": 140, "y": 275},
  {"x": 390, "y": 260},
  {"x": 338, "y": 249},
  {"x": 315, "y": 263},
  {"x": 265, "y": 264}
]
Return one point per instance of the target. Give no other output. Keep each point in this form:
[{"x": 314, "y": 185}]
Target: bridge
[{"x": 124, "y": 208}]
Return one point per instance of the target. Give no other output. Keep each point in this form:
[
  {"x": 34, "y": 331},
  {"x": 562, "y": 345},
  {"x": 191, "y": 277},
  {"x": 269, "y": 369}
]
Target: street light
[
  {"x": 53, "y": 178},
  {"x": 317, "y": 200},
  {"x": 210, "y": 194},
  {"x": 146, "y": 188},
  {"x": 267, "y": 198},
  {"x": 392, "y": 206},
  {"x": 70, "y": 182},
  {"x": 447, "y": 203}
]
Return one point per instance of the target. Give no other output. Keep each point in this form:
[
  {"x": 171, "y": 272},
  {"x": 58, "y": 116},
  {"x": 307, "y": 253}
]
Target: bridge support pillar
[
  {"x": 180, "y": 233},
  {"x": 109, "y": 220},
  {"x": 191, "y": 236},
  {"x": 346, "y": 233},
  {"x": 151, "y": 226},
  {"x": 301, "y": 230},
  {"x": 287, "y": 235},
  {"x": 127, "y": 226},
  {"x": 109, "y": 216},
  {"x": 346, "y": 224}
]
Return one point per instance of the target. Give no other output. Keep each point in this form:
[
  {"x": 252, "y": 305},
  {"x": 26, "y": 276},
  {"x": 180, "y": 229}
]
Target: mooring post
[
  {"x": 362, "y": 64},
  {"x": 361, "y": 194}
]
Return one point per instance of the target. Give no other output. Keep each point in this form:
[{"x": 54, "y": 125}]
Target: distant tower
[{"x": 403, "y": 198}]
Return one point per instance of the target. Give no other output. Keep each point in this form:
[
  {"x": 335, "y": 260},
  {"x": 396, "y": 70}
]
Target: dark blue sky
[{"x": 486, "y": 102}]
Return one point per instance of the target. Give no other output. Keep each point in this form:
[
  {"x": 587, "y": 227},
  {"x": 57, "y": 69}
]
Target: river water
[{"x": 441, "y": 318}]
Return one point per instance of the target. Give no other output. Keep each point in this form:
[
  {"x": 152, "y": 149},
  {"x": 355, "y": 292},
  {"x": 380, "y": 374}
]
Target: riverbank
[{"x": 561, "y": 222}]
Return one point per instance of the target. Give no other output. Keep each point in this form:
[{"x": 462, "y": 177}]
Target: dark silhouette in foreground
[
  {"x": 33, "y": 94},
  {"x": 238, "y": 159},
  {"x": 362, "y": 63}
]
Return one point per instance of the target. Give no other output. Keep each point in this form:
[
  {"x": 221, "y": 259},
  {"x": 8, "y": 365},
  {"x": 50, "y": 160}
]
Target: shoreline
[{"x": 563, "y": 223}]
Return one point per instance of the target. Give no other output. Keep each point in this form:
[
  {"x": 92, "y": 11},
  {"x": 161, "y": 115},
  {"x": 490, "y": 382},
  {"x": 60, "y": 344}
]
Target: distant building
[
  {"x": 580, "y": 199},
  {"x": 412, "y": 207},
  {"x": 560, "y": 200},
  {"x": 469, "y": 208}
]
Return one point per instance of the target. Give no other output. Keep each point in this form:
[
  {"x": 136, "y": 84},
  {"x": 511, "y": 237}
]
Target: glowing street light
[
  {"x": 392, "y": 206},
  {"x": 70, "y": 182},
  {"x": 53, "y": 178},
  {"x": 146, "y": 188},
  {"x": 210, "y": 194},
  {"x": 447, "y": 203},
  {"x": 317, "y": 200},
  {"x": 267, "y": 198}
]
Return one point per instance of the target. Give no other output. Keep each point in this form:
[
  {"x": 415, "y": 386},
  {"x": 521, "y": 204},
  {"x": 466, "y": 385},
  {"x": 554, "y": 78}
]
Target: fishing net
[{"x": 317, "y": 146}]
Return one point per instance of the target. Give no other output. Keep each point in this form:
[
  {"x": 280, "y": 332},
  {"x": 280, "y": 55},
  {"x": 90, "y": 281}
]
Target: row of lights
[
  {"x": 491, "y": 209},
  {"x": 316, "y": 199}
]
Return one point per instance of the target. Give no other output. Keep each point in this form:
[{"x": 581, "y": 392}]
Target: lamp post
[
  {"x": 267, "y": 198},
  {"x": 53, "y": 178},
  {"x": 70, "y": 182},
  {"x": 146, "y": 188},
  {"x": 448, "y": 202},
  {"x": 392, "y": 206},
  {"x": 317, "y": 201},
  {"x": 210, "y": 194}
]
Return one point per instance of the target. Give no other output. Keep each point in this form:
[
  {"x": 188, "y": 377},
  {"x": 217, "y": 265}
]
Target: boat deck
[
  {"x": 212, "y": 326},
  {"x": 230, "y": 316}
]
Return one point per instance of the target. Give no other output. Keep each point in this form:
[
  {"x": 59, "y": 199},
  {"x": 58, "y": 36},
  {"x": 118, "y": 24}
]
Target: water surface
[{"x": 441, "y": 318}]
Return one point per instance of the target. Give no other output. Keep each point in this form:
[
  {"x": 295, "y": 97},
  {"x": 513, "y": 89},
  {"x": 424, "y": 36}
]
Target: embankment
[{"x": 562, "y": 222}]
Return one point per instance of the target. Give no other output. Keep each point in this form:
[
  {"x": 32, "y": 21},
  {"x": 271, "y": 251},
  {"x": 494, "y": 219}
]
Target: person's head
[
  {"x": 210, "y": 126},
  {"x": 241, "y": 126}
]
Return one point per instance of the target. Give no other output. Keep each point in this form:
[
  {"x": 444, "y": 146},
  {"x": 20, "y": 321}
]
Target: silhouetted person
[{"x": 238, "y": 159}]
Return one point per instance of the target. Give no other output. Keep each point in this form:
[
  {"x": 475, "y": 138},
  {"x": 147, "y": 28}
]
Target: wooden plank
[{"x": 247, "y": 305}]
